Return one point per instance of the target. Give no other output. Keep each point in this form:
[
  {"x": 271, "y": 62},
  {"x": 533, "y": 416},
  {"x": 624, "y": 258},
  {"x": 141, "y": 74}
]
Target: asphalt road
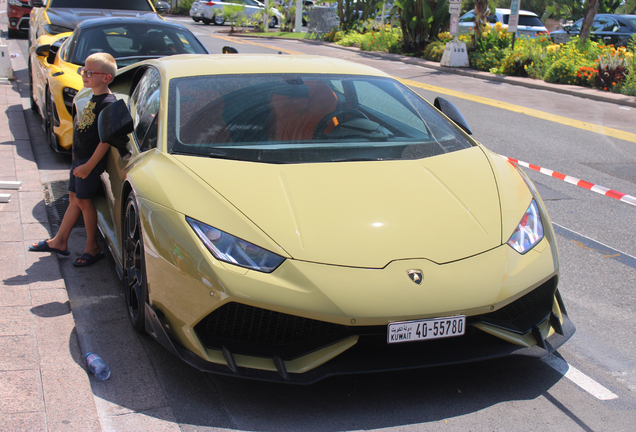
[{"x": 589, "y": 386}]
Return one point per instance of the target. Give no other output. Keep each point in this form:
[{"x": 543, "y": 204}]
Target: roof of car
[
  {"x": 96, "y": 22},
  {"x": 225, "y": 64}
]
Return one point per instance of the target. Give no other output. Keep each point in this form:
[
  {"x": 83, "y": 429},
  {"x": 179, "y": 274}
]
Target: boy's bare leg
[
  {"x": 90, "y": 222},
  {"x": 72, "y": 214}
]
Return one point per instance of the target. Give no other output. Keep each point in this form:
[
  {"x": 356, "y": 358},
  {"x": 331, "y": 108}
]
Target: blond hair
[{"x": 105, "y": 62}]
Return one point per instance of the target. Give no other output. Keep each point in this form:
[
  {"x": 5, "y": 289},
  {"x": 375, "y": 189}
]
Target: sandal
[{"x": 88, "y": 259}]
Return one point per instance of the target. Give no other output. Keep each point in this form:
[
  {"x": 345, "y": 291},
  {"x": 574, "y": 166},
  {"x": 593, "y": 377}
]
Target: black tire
[
  {"x": 218, "y": 20},
  {"x": 135, "y": 283},
  {"x": 206, "y": 21},
  {"x": 13, "y": 34},
  {"x": 49, "y": 115},
  {"x": 273, "y": 21},
  {"x": 196, "y": 19}
]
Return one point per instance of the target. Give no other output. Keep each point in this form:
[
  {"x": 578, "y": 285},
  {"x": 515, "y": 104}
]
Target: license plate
[{"x": 435, "y": 328}]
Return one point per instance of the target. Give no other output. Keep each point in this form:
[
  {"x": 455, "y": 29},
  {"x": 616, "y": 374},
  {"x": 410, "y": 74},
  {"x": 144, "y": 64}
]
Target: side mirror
[
  {"x": 36, "y": 3},
  {"x": 452, "y": 113},
  {"x": 43, "y": 50},
  {"x": 229, "y": 50},
  {"x": 162, "y": 7},
  {"x": 567, "y": 28},
  {"x": 114, "y": 124}
]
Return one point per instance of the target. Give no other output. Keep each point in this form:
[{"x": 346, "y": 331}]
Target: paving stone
[
  {"x": 35, "y": 231},
  {"x": 42, "y": 268},
  {"x": 70, "y": 405},
  {"x": 21, "y": 392},
  {"x": 16, "y": 321},
  {"x": 10, "y": 227},
  {"x": 12, "y": 295},
  {"x": 12, "y": 206},
  {"x": 18, "y": 352},
  {"x": 13, "y": 264},
  {"x": 21, "y": 422},
  {"x": 55, "y": 328},
  {"x": 33, "y": 207}
]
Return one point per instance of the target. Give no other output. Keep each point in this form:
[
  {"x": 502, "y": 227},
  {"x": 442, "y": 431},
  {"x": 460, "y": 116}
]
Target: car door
[
  {"x": 143, "y": 105},
  {"x": 605, "y": 30}
]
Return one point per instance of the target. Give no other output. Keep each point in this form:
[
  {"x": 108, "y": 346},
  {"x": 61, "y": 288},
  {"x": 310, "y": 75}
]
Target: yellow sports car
[
  {"x": 55, "y": 61},
  {"x": 311, "y": 217},
  {"x": 52, "y": 17}
]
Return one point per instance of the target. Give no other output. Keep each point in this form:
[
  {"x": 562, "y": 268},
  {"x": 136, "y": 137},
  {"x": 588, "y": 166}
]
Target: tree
[
  {"x": 588, "y": 20},
  {"x": 421, "y": 21}
]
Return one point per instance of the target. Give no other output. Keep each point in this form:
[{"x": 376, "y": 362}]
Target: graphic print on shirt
[{"x": 87, "y": 117}]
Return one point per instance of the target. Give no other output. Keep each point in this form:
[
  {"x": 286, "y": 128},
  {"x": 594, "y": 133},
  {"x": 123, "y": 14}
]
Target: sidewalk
[{"x": 43, "y": 383}]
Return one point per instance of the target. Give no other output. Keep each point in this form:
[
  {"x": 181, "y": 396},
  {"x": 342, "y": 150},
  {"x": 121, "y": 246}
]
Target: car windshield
[
  {"x": 140, "y": 5},
  {"x": 281, "y": 118},
  {"x": 132, "y": 42}
]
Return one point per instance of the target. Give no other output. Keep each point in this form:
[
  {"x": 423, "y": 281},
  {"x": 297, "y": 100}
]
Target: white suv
[
  {"x": 529, "y": 22},
  {"x": 212, "y": 11}
]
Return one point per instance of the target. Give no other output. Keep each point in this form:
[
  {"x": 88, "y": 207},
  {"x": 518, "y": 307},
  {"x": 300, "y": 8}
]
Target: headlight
[
  {"x": 233, "y": 250},
  {"x": 15, "y": 3},
  {"x": 55, "y": 29},
  {"x": 529, "y": 232}
]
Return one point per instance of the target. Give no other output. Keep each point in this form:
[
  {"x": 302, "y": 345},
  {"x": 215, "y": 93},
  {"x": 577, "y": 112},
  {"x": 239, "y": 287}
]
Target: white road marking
[{"x": 579, "y": 378}]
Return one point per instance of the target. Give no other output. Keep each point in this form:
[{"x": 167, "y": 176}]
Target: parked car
[
  {"x": 609, "y": 29},
  {"x": 212, "y": 11},
  {"x": 59, "y": 16},
  {"x": 196, "y": 10},
  {"x": 529, "y": 22},
  {"x": 17, "y": 17},
  {"x": 56, "y": 59},
  {"x": 289, "y": 218}
]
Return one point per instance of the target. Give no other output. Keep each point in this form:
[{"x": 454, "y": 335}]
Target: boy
[{"x": 88, "y": 163}]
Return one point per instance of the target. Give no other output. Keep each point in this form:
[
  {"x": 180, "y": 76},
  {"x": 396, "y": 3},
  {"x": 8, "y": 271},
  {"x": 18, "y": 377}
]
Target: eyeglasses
[{"x": 89, "y": 73}]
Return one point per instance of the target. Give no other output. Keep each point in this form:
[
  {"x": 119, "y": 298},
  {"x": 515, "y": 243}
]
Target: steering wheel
[{"x": 341, "y": 115}]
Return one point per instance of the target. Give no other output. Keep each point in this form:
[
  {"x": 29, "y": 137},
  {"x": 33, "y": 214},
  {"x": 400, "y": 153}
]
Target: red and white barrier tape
[{"x": 581, "y": 183}]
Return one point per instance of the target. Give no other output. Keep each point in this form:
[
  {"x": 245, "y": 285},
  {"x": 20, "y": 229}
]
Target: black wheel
[
  {"x": 12, "y": 34},
  {"x": 196, "y": 19},
  {"x": 341, "y": 115},
  {"x": 34, "y": 106},
  {"x": 49, "y": 116},
  {"x": 273, "y": 21},
  {"x": 206, "y": 21},
  {"x": 135, "y": 283},
  {"x": 219, "y": 20}
]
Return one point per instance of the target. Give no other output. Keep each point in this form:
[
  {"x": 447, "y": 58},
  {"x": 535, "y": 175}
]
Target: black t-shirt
[{"x": 85, "y": 133}]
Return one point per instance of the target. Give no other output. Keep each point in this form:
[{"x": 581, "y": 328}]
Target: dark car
[
  {"x": 60, "y": 16},
  {"x": 609, "y": 29},
  {"x": 55, "y": 61},
  {"x": 18, "y": 16}
]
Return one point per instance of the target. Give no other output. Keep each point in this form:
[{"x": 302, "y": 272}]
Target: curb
[{"x": 582, "y": 92}]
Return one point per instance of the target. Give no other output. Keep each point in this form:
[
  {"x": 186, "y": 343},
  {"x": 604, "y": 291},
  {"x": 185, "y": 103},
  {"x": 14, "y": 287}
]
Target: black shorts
[{"x": 88, "y": 187}]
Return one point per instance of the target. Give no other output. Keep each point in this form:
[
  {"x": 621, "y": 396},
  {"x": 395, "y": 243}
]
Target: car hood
[
  {"x": 71, "y": 17},
  {"x": 366, "y": 214}
]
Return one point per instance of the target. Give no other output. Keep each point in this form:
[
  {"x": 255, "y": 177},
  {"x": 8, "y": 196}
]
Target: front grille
[
  {"x": 249, "y": 330},
  {"x": 255, "y": 331},
  {"x": 525, "y": 312}
]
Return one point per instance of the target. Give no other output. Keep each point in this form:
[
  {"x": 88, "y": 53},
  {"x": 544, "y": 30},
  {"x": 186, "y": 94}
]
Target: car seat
[
  {"x": 295, "y": 117},
  {"x": 99, "y": 43},
  {"x": 155, "y": 44}
]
